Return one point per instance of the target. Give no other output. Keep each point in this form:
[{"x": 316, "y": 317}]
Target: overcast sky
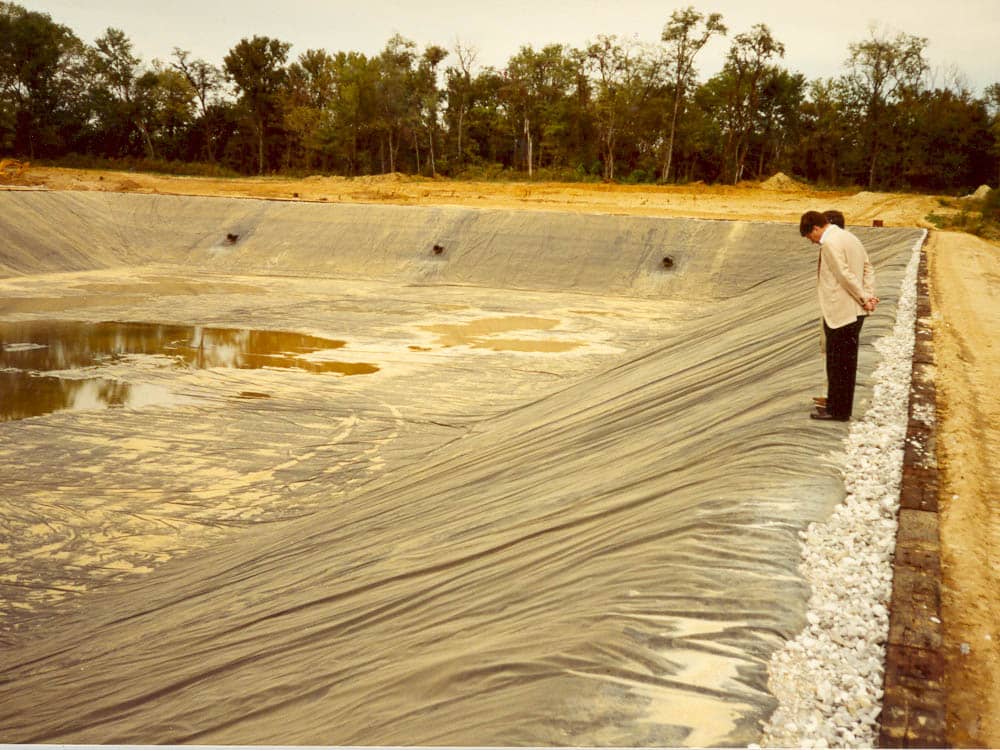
[{"x": 964, "y": 35}]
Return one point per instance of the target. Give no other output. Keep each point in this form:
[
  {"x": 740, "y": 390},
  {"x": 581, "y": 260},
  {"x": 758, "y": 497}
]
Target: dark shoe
[{"x": 823, "y": 414}]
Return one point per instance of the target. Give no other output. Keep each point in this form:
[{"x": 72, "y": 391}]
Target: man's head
[
  {"x": 812, "y": 224},
  {"x": 835, "y": 217}
]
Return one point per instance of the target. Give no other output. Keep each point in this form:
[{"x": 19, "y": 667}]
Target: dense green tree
[
  {"x": 626, "y": 78},
  {"x": 168, "y": 110},
  {"x": 41, "y": 76},
  {"x": 748, "y": 65},
  {"x": 537, "y": 86},
  {"x": 396, "y": 99},
  {"x": 309, "y": 92},
  {"x": 458, "y": 96},
  {"x": 685, "y": 34},
  {"x": 579, "y": 134},
  {"x": 8, "y": 124},
  {"x": 612, "y": 108},
  {"x": 429, "y": 99},
  {"x": 697, "y": 156},
  {"x": 257, "y": 68},
  {"x": 779, "y": 119},
  {"x": 205, "y": 81},
  {"x": 476, "y": 110},
  {"x": 944, "y": 140},
  {"x": 828, "y": 136},
  {"x": 351, "y": 136},
  {"x": 125, "y": 96},
  {"x": 992, "y": 102},
  {"x": 880, "y": 72},
  {"x": 522, "y": 100}
]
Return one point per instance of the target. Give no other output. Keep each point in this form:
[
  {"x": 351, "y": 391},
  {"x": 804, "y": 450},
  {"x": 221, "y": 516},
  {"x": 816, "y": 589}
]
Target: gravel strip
[{"x": 828, "y": 681}]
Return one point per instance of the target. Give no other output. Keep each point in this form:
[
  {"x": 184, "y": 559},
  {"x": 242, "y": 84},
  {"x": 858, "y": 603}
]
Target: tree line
[{"x": 614, "y": 109}]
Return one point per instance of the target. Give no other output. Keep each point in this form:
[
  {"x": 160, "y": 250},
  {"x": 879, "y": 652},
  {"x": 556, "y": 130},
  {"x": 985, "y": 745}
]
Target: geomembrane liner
[{"x": 593, "y": 544}]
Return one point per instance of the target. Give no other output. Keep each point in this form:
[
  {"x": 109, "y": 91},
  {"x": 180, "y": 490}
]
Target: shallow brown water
[{"x": 77, "y": 351}]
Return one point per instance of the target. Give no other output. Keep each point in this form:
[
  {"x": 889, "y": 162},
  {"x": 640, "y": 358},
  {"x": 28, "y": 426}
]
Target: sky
[{"x": 963, "y": 35}]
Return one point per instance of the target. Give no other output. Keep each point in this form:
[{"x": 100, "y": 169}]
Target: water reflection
[
  {"x": 24, "y": 395},
  {"x": 63, "y": 345},
  {"x": 30, "y": 349}
]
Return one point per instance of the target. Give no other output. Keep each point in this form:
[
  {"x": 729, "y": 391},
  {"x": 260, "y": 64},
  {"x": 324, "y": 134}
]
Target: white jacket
[{"x": 846, "y": 278}]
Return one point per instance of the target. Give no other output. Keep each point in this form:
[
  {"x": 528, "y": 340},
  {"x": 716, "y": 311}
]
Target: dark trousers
[{"x": 842, "y": 367}]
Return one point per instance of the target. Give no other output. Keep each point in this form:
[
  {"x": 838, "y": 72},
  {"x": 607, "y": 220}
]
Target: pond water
[{"x": 47, "y": 366}]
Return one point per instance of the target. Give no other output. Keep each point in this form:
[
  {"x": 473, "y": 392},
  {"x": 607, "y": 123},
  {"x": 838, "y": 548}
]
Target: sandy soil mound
[
  {"x": 12, "y": 171},
  {"x": 981, "y": 192},
  {"x": 381, "y": 178},
  {"x": 782, "y": 181}
]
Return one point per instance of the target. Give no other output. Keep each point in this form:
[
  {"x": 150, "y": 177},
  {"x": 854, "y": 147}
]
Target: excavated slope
[{"x": 610, "y": 562}]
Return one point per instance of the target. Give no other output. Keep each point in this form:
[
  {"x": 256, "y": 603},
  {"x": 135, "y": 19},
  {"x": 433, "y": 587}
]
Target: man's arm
[{"x": 868, "y": 282}]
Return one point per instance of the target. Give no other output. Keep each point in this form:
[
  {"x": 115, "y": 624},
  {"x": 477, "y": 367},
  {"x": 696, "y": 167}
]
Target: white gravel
[{"x": 828, "y": 681}]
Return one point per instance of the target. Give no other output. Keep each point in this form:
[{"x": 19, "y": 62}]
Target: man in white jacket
[{"x": 845, "y": 282}]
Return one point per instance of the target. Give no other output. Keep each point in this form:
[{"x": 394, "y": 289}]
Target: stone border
[{"x": 913, "y": 706}]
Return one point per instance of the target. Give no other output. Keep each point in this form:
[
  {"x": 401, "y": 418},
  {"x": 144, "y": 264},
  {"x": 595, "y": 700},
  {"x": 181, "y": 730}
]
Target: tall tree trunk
[
  {"x": 208, "y": 150},
  {"x": 260, "y": 148},
  {"x": 665, "y": 176},
  {"x": 874, "y": 125},
  {"x": 742, "y": 162},
  {"x": 430, "y": 151},
  {"x": 393, "y": 148},
  {"x": 727, "y": 153},
  {"x": 779, "y": 148},
  {"x": 738, "y": 159},
  {"x": 146, "y": 140},
  {"x": 352, "y": 153},
  {"x": 461, "y": 120},
  {"x": 527, "y": 135},
  {"x": 609, "y": 156}
]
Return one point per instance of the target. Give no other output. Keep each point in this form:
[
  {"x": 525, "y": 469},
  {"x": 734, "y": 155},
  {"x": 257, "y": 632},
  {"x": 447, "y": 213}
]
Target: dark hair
[
  {"x": 835, "y": 217},
  {"x": 809, "y": 220}
]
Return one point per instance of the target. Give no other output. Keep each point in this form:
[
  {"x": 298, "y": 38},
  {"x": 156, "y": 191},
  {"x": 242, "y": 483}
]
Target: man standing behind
[{"x": 846, "y": 287}]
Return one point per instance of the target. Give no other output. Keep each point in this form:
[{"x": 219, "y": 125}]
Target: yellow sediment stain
[
  {"x": 347, "y": 368},
  {"x": 484, "y": 333},
  {"x": 601, "y": 313},
  {"x": 527, "y": 345}
]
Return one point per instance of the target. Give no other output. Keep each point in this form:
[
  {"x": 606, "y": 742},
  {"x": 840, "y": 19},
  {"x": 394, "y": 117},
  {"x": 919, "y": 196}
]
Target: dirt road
[{"x": 965, "y": 277}]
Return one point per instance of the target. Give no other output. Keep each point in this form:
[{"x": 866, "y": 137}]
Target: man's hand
[{"x": 871, "y": 303}]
